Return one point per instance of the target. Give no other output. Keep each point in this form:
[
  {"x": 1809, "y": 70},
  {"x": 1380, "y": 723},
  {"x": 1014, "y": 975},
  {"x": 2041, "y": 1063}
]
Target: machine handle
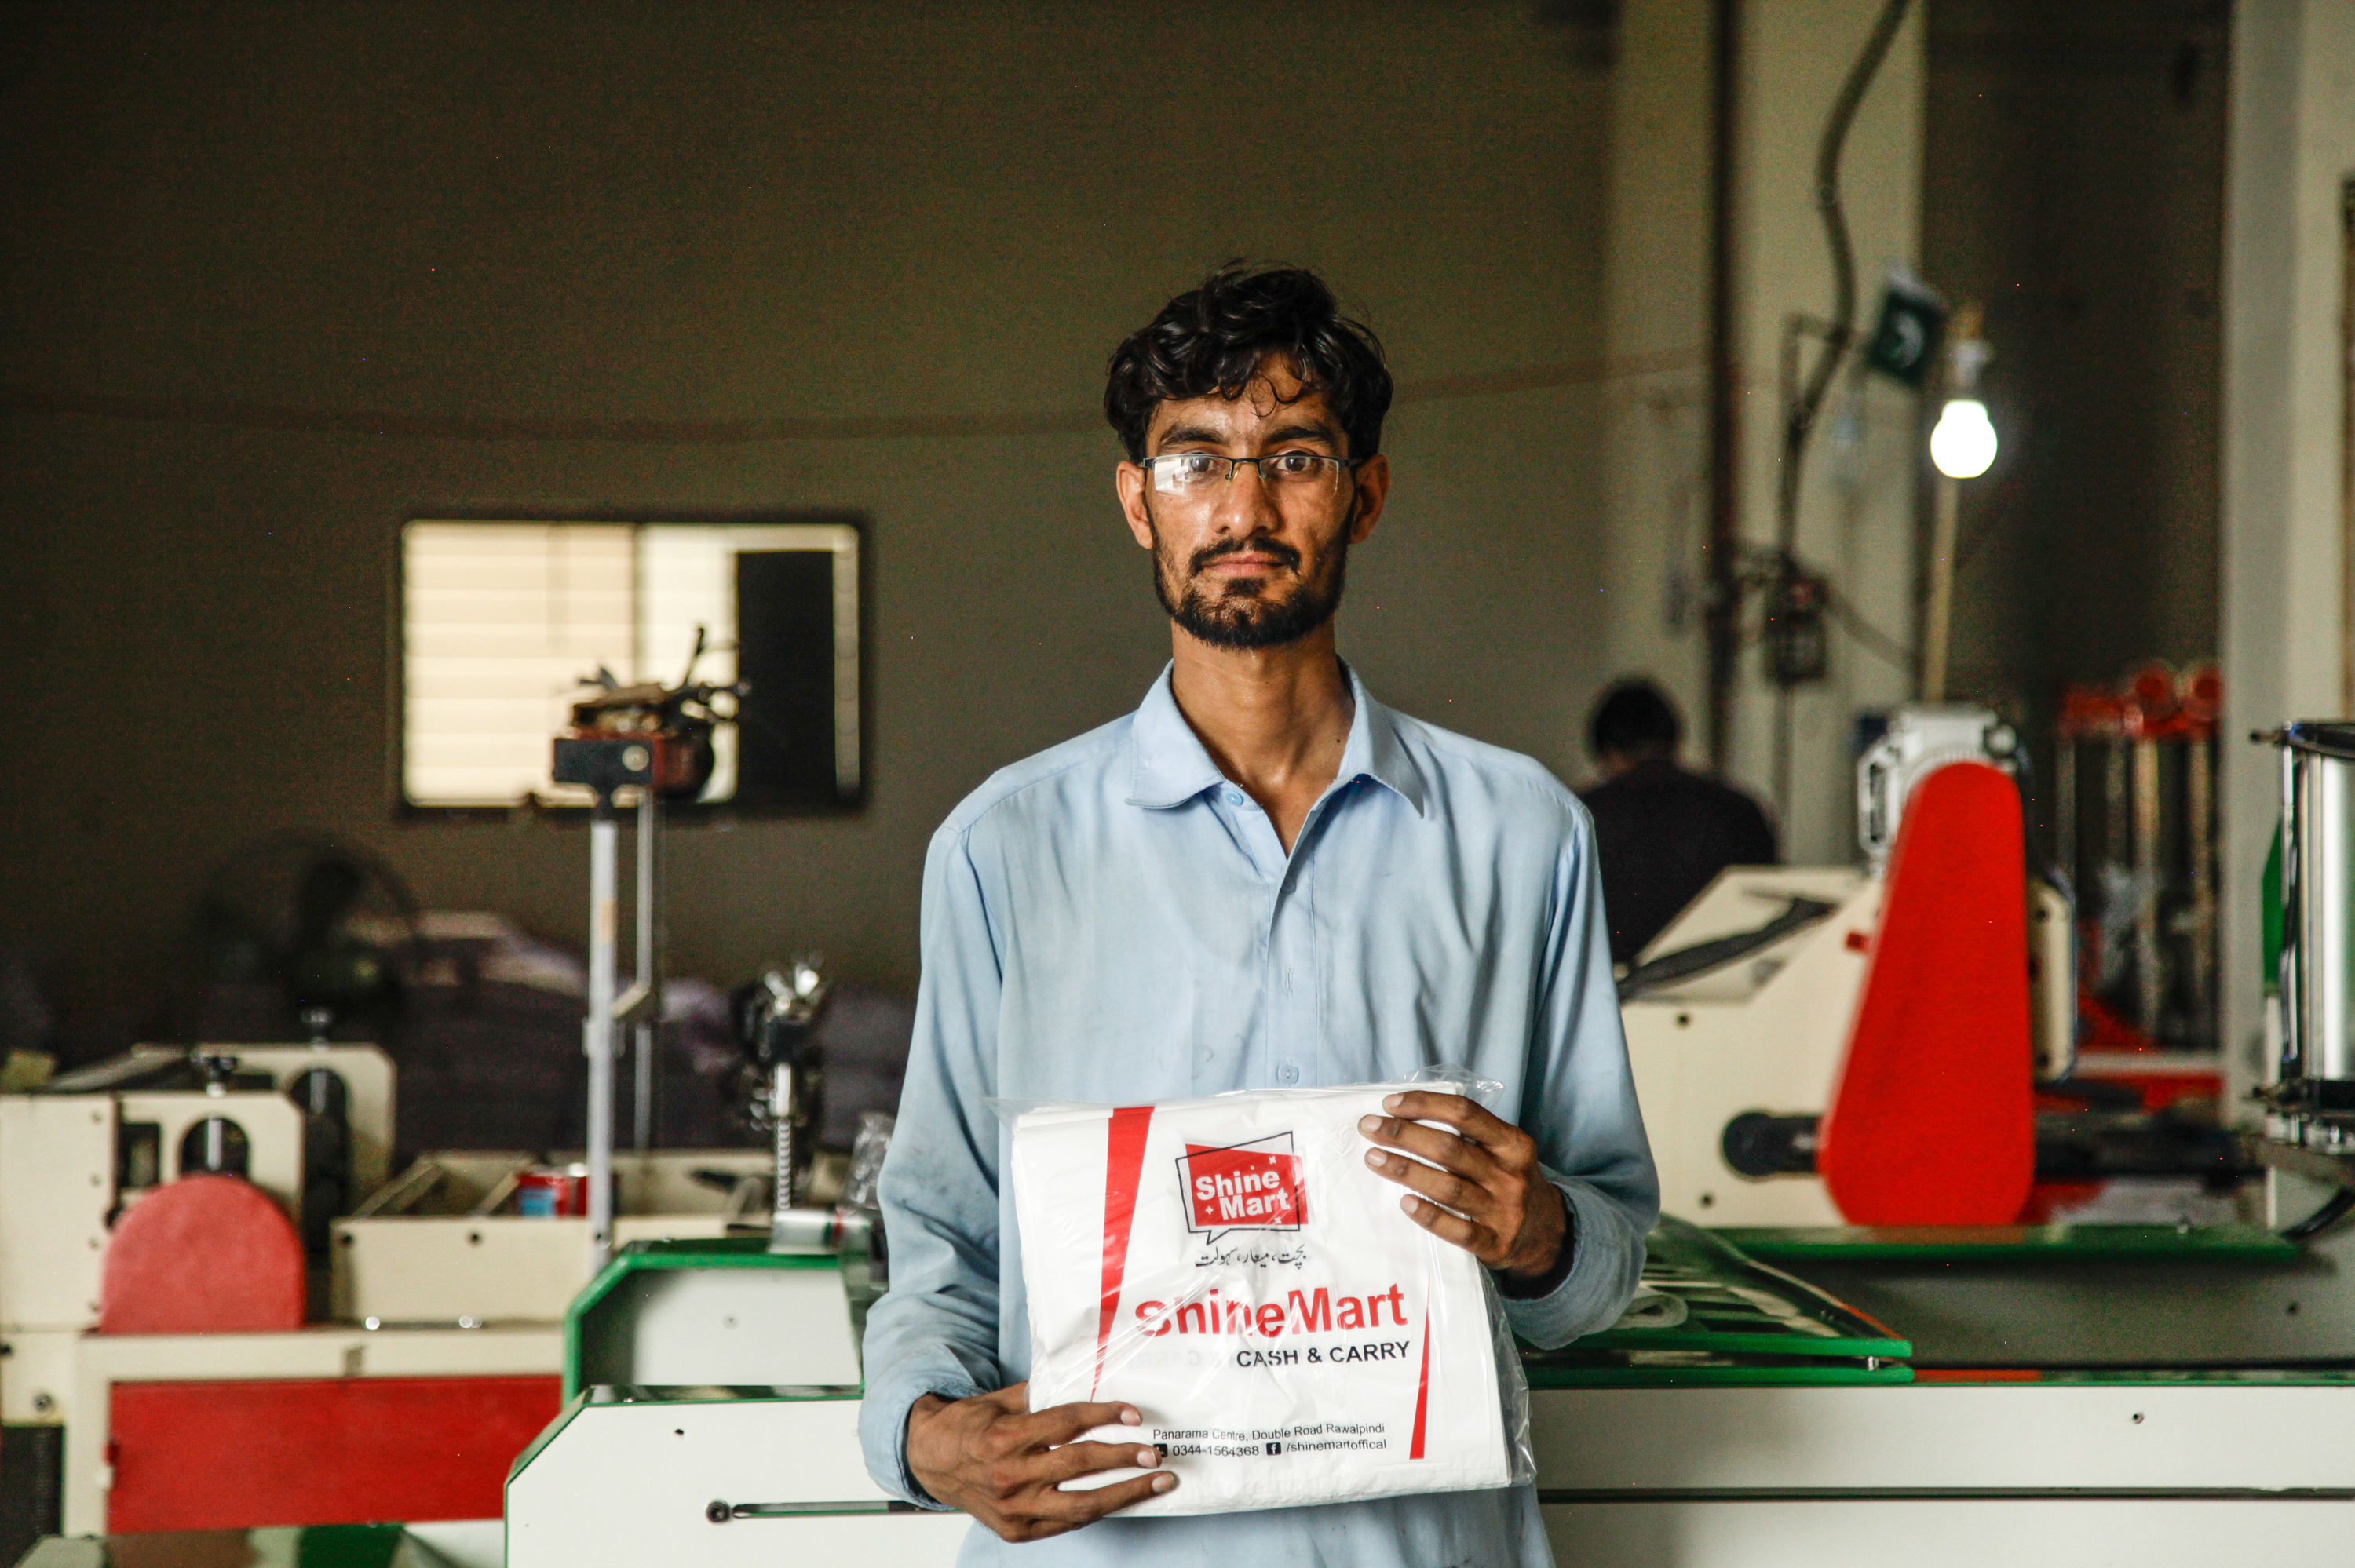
[
  {"x": 720, "y": 1511},
  {"x": 1686, "y": 962}
]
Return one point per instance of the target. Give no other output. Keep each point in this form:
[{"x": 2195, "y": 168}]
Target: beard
[{"x": 1244, "y": 614}]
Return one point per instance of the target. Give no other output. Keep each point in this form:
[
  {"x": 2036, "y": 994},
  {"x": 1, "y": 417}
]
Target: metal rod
[
  {"x": 2291, "y": 1064},
  {"x": 2152, "y": 980},
  {"x": 597, "y": 1032},
  {"x": 649, "y": 934},
  {"x": 2347, "y": 447},
  {"x": 2116, "y": 847},
  {"x": 2064, "y": 812},
  {"x": 2200, "y": 812},
  {"x": 1722, "y": 604},
  {"x": 781, "y": 1108},
  {"x": 1938, "y": 613}
]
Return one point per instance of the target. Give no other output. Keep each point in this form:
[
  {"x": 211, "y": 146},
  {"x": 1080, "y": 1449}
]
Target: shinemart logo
[{"x": 1253, "y": 1186}]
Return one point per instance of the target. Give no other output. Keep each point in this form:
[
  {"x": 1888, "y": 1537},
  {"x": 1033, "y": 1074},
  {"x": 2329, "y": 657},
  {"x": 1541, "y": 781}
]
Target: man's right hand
[{"x": 992, "y": 1457}]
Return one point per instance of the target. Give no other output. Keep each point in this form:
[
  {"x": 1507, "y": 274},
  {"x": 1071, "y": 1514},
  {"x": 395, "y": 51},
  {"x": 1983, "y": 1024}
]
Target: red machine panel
[
  {"x": 241, "y": 1455},
  {"x": 1933, "y": 1122}
]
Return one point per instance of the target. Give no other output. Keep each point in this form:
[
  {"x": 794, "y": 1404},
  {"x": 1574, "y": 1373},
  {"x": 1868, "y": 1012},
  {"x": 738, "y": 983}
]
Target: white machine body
[
  {"x": 1919, "y": 741},
  {"x": 1768, "y": 1031},
  {"x": 1764, "y": 1033},
  {"x": 433, "y": 1247},
  {"x": 67, "y": 1163}
]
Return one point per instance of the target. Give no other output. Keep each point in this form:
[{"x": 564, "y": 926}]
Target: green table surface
[{"x": 1745, "y": 1322}]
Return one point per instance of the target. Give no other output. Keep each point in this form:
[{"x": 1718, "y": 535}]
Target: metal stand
[
  {"x": 597, "y": 1031},
  {"x": 640, "y": 1008},
  {"x": 653, "y": 740},
  {"x": 650, "y": 933}
]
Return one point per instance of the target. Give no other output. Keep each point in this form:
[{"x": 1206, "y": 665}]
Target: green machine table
[{"x": 1757, "y": 1414}]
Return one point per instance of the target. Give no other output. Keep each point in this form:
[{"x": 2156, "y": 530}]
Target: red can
[{"x": 552, "y": 1192}]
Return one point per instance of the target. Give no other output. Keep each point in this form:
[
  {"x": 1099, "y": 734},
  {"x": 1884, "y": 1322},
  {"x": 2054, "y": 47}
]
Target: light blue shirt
[{"x": 1113, "y": 921}]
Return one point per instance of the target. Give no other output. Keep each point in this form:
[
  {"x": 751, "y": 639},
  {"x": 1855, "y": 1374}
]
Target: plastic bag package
[{"x": 1232, "y": 1268}]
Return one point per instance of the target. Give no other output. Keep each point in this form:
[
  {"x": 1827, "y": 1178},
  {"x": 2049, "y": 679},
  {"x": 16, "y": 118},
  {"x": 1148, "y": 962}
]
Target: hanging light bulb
[{"x": 1963, "y": 445}]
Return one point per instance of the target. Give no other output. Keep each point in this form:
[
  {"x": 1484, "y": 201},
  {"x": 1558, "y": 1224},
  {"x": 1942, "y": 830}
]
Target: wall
[
  {"x": 2071, "y": 179},
  {"x": 1657, "y": 292},
  {"x": 1857, "y": 500},
  {"x": 2075, "y": 186},
  {"x": 1857, "y": 505},
  {"x": 239, "y": 217},
  {"x": 2284, "y": 457}
]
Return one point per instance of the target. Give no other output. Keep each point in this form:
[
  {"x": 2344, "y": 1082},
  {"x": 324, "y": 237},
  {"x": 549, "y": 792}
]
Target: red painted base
[{"x": 242, "y": 1454}]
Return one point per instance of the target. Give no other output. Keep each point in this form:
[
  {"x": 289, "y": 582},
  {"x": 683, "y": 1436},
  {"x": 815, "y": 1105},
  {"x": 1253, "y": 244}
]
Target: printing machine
[{"x": 372, "y": 1379}]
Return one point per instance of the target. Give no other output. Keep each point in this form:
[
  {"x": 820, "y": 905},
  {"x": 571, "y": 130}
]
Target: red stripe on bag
[
  {"x": 1123, "y": 1162},
  {"x": 1421, "y": 1384}
]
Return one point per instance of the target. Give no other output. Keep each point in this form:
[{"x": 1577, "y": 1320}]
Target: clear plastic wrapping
[{"x": 1232, "y": 1268}]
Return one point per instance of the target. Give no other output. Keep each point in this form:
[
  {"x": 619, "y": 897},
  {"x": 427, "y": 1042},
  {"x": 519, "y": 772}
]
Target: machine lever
[
  {"x": 720, "y": 1512},
  {"x": 1797, "y": 914}
]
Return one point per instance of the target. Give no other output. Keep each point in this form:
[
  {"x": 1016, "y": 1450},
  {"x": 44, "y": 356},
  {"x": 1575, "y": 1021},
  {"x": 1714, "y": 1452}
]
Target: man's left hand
[{"x": 1478, "y": 1186}]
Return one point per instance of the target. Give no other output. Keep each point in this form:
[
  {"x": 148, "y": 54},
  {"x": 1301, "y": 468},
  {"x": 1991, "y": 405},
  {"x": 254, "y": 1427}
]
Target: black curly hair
[
  {"x": 1211, "y": 339},
  {"x": 1634, "y": 718}
]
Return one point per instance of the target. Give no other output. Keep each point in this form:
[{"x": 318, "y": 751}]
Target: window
[{"x": 503, "y": 623}]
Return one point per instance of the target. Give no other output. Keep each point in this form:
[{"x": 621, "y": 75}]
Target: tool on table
[{"x": 776, "y": 1024}]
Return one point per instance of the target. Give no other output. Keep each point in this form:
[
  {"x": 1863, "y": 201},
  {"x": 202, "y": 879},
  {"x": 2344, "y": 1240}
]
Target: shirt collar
[{"x": 1172, "y": 765}]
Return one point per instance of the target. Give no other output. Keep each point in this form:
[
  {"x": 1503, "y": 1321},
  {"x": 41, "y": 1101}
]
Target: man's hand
[
  {"x": 1487, "y": 1195},
  {"x": 990, "y": 1457}
]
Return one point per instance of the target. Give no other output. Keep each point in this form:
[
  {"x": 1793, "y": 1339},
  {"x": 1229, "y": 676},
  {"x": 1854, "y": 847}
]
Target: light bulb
[{"x": 1963, "y": 445}]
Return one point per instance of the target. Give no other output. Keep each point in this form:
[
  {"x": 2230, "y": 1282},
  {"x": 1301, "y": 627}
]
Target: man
[
  {"x": 1664, "y": 833},
  {"x": 1261, "y": 879}
]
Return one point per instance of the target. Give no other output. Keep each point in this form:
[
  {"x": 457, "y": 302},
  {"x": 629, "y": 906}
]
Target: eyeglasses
[{"x": 1307, "y": 477}]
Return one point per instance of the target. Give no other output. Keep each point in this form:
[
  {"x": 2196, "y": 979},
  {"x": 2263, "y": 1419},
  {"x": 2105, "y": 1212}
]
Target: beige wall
[
  {"x": 2293, "y": 152},
  {"x": 1856, "y": 503},
  {"x": 1656, "y": 282},
  {"x": 1857, "y": 506},
  {"x": 726, "y": 211}
]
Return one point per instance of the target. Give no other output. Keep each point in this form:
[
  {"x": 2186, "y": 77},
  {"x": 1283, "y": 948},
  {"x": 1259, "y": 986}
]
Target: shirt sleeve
[
  {"x": 1580, "y": 1107},
  {"x": 935, "y": 1330}
]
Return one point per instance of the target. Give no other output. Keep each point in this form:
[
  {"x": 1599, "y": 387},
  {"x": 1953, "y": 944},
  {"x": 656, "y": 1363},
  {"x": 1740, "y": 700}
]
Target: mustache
[{"x": 1258, "y": 544}]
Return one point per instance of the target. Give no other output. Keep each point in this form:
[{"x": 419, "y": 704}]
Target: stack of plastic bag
[{"x": 1233, "y": 1269}]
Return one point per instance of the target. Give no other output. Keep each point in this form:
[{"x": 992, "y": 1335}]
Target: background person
[{"x": 1663, "y": 832}]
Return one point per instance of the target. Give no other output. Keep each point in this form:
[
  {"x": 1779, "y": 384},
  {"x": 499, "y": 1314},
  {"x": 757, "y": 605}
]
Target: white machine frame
[
  {"x": 1769, "y": 1032},
  {"x": 1932, "y": 1476}
]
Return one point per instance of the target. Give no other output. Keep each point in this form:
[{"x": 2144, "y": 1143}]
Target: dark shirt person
[{"x": 1663, "y": 832}]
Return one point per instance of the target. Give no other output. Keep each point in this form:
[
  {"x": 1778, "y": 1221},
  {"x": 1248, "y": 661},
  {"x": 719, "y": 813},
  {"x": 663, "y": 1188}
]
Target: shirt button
[
  {"x": 1288, "y": 1073},
  {"x": 1234, "y": 798}
]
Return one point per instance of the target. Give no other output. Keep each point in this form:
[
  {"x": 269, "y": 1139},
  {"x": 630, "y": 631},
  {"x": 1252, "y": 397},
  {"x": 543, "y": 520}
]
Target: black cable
[
  {"x": 1800, "y": 418},
  {"x": 2323, "y": 1218}
]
